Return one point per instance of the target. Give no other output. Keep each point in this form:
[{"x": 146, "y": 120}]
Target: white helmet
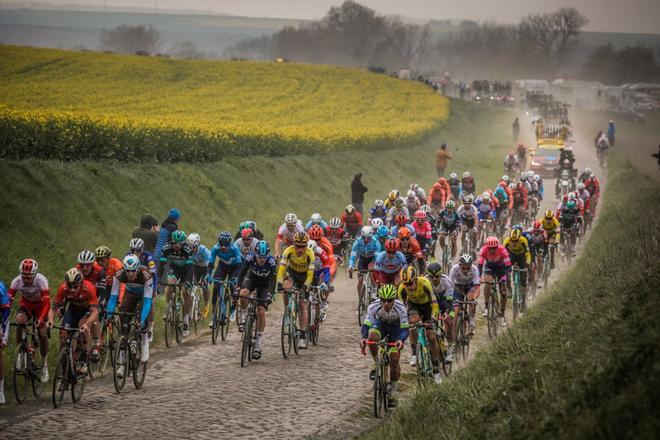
[
  {"x": 367, "y": 232},
  {"x": 379, "y": 203},
  {"x": 131, "y": 262},
  {"x": 316, "y": 218},
  {"x": 193, "y": 239},
  {"x": 485, "y": 197},
  {"x": 86, "y": 257},
  {"x": 580, "y": 186},
  {"x": 136, "y": 244},
  {"x": 453, "y": 176},
  {"x": 414, "y": 187},
  {"x": 376, "y": 223},
  {"x": 312, "y": 245},
  {"x": 466, "y": 174},
  {"x": 587, "y": 170},
  {"x": 512, "y": 185},
  {"x": 291, "y": 219},
  {"x": 537, "y": 177},
  {"x": 425, "y": 208},
  {"x": 411, "y": 194},
  {"x": 335, "y": 222}
]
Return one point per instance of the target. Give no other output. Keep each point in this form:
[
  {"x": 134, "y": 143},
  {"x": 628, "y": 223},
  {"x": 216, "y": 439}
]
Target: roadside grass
[{"x": 582, "y": 363}]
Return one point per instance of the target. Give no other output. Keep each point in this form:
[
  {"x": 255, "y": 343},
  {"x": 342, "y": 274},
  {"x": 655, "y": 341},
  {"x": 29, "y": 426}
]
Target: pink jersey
[
  {"x": 422, "y": 230},
  {"x": 498, "y": 258},
  {"x": 32, "y": 293}
]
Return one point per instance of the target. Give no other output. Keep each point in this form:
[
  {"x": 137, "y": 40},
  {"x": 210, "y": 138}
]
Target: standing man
[
  {"x": 516, "y": 130},
  {"x": 148, "y": 232},
  {"x": 441, "y": 158},
  {"x": 357, "y": 192}
]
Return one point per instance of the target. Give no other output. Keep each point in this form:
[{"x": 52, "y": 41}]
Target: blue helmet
[
  {"x": 499, "y": 190},
  {"x": 518, "y": 227},
  {"x": 262, "y": 249},
  {"x": 224, "y": 238},
  {"x": 383, "y": 232}
]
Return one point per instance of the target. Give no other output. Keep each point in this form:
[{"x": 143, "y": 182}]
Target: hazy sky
[{"x": 604, "y": 15}]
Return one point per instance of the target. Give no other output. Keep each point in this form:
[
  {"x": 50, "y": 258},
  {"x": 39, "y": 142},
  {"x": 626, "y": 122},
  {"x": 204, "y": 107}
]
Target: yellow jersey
[
  {"x": 290, "y": 260},
  {"x": 550, "y": 225},
  {"x": 421, "y": 294},
  {"x": 518, "y": 247}
]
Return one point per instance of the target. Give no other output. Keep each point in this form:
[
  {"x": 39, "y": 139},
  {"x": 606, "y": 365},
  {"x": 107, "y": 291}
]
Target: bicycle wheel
[
  {"x": 316, "y": 333},
  {"x": 224, "y": 316},
  {"x": 424, "y": 366},
  {"x": 120, "y": 361},
  {"x": 60, "y": 380},
  {"x": 138, "y": 367},
  {"x": 515, "y": 297},
  {"x": 35, "y": 373},
  {"x": 105, "y": 354},
  {"x": 215, "y": 321},
  {"x": 287, "y": 337},
  {"x": 362, "y": 307},
  {"x": 546, "y": 271},
  {"x": 21, "y": 374},
  {"x": 295, "y": 333},
  {"x": 492, "y": 315},
  {"x": 246, "y": 348},
  {"x": 169, "y": 325},
  {"x": 195, "y": 314},
  {"x": 78, "y": 380},
  {"x": 178, "y": 318},
  {"x": 378, "y": 390}
]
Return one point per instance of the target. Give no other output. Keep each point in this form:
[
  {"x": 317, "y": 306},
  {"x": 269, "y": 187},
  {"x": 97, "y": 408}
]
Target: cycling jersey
[
  {"x": 97, "y": 278},
  {"x": 396, "y": 211},
  {"x": 142, "y": 285},
  {"x": 518, "y": 247},
  {"x": 35, "y": 298},
  {"x": 485, "y": 209},
  {"x": 80, "y": 298},
  {"x": 411, "y": 250},
  {"x": 448, "y": 220},
  {"x": 335, "y": 236},
  {"x": 549, "y": 225},
  {"x": 412, "y": 204},
  {"x": 455, "y": 187},
  {"x": 378, "y": 212},
  {"x": 180, "y": 260},
  {"x": 310, "y": 223},
  {"x": 468, "y": 185},
  {"x": 266, "y": 270},
  {"x": 390, "y": 264},
  {"x": 498, "y": 259},
  {"x": 202, "y": 256},
  {"x": 394, "y": 230},
  {"x": 470, "y": 213},
  {"x": 364, "y": 250},
  {"x": 285, "y": 235},
  {"x": 299, "y": 264},
  {"x": 351, "y": 221},
  {"x": 443, "y": 291},
  {"x": 389, "y": 204},
  {"x": 422, "y": 230},
  {"x": 230, "y": 257},
  {"x": 459, "y": 278},
  {"x": 568, "y": 217},
  {"x": 245, "y": 248},
  {"x": 519, "y": 198},
  {"x": 396, "y": 317},
  {"x": 421, "y": 294}
]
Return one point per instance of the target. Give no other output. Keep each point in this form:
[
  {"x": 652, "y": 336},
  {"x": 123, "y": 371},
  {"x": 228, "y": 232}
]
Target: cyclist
[
  {"x": 337, "y": 237},
  {"x": 297, "y": 263},
  {"x": 229, "y": 267},
  {"x": 417, "y": 294},
  {"x": 486, "y": 208},
  {"x": 401, "y": 222},
  {"x": 286, "y": 232},
  {"x": 497, "y": 266},
  {"x": 200, "y": 263},
  {"x": 536, "y": 237},
  {"x": 520, "y": 201},
  {"x": 586, "y": 174},
  {"x": 351, "y": 220},
  {"x": 412, "y": 203},
  {"x": 397, "y": 209},
  {"x": 388, "y": 264},
  {"x": 136, "y": 247},
  {"x": 316, "y": 219},
  {"x": 5, "y": 310},
  {"x": 539, "y": 184},
  {"x": 511, "y": 163},
  {"x": 454, "y": 186},
  {"x": 316, "y": 233},
  {"x": 382, "y": 234},
  {"x": 419, "y": 192},
  {"x": 550, "y": 225},
  {"x": 321, "y": 267},
  {"x": 364, "y": 251},
  {"x": 437, "y": 197},
  {"x": 423, "y": 230},
  {"x": 518, "y": 248},
  {"x": 250, "y": 224},
  {"x": 258, "y": 275},
  {"x": 593, "y": 186},
  {"x": 378, "y": 211},
  {"x": 34, "y": 305},
  {"x": 111, "y": 265},
  {"x": 521, "y": 152},
  {"x": 95, "y": 274},
  {"x": 469, "y": 216},
  {"x": 82, "y": 309},
  {"x": 468, "y": 186},
  {"x": 386, "y": 317},
  {"x": 449, "y": 223},
  {"x": 247, "y": 242},
  {"x": 443, "y": 289},
  {"x": 178, "y": 254},
  {"x": 445, "y": 188},
  {"x": 568, "y": 219},
  {"x": 138, "y": 296},
  {"x": 410, "y": 248},
  {"x": 465, "y": 280}
]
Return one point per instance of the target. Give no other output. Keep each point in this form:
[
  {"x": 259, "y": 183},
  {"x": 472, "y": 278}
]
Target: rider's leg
[
  {"x": 434, "y": 348},
  {"x": 413, "y": 319}
]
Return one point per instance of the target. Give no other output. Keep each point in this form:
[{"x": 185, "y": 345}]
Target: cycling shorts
[
  {"x": 423, "y": 310},
  {"x": 364, "y": 262},
  {"x": 461, "y": 291},
  {"x": 298, "y": 278},
  {"x": 73, "y": 315},
  {"x": 33, "y": 309},
  {"x": 178, "y": 273},
  {"x": 386, "y": 330},
  {"x": 199, "y": 274},
  {"x": 259, "y": 285},
  {"x": 224, "y": 271},
  {"x": 387, "y": 278}
]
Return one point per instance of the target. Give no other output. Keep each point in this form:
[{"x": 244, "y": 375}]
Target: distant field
[{"x": 62, "y": 104}]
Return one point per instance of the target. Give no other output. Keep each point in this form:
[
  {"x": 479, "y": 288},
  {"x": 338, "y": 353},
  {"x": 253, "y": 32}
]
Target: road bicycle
[
  {"x": 381, "y": 391},
  {"x": 424, "y": 366},
  {"x": 71, "y": 369},
  {"x": 518, "y": 298},
  {"x": 221, "y": 310},
  {"x": 290, "y": 331},
  {"x": 128, "y": 353},
  {"x": 174, "y": 316},
  {"x": 27, "y": 373},
  {"x": 249, "y": 335},
  {"x": 367, "y": 294},
  {"x": 443, "y": 344},
  {"x": 496, "y": 289},
  {"x": 316, "y": 296},
  {"x": 462, "y": 330}
]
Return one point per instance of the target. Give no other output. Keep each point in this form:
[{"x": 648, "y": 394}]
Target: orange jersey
[{"x": 114, "y": 266}]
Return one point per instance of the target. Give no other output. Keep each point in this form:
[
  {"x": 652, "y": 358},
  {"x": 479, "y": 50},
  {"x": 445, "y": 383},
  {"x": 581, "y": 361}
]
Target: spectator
[
  {"x": 441, "y": 158},
  {"x": 516, "y": 130},
  {"x": 657, "y": 156},
  {"x": 148, "y": 232},
  {"x": 357, "y": 192},
  {"x": 170, "y": 225}
]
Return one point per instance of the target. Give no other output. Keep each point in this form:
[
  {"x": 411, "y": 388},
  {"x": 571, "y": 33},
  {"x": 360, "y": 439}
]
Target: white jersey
[
  {"x": 287, "y": 236},
  {"x": 458, "y": 278},
  {"x": 470, "y": 213},
  {"x": 444, "y": 289},
  {"x": 398, "y": 314},
  {"x": 252, "y": 244},
  {"x": 31, "y": 293}
]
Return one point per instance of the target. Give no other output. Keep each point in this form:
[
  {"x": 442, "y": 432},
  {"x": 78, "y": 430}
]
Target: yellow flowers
[{"x": 71, "y": 105}]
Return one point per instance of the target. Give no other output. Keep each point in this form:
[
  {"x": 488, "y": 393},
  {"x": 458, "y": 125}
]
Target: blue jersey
[
  {"x": 310, "y": 223},
  {"x": 363, "y": 249},
  {"x": 390, "y": 265},
  {"x": 376, "y": 212},
  {"x": 266, "y": 270},
  {"x": 394, "y": 230},
  {"x": 231, "y": 257},
  {"x": 202, "y": 257}
]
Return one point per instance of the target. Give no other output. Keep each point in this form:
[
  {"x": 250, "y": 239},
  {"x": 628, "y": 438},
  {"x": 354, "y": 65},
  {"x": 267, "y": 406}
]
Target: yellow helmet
[
  {"x": 515, "y": 234},
  {"x": 300, "y": 239},
  {"x": 549, "y": 214},
  {"x": 408, "y": 274},
  {"x": 102, "y": 252},
  {"x": 73, "y": 277},
  {"x": 392, "y": 196}
]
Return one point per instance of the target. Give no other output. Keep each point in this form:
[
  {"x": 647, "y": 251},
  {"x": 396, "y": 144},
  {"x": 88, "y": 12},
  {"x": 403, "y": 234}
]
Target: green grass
[
  {"x": 57, "y": 209},
  {"x": 583, "y": 363}
]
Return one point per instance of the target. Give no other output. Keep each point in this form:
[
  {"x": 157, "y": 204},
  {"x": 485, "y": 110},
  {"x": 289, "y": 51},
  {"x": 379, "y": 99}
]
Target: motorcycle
[{"x": 565, "y": 184}]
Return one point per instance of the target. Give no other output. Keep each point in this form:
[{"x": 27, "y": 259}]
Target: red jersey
[
  {"x": 352, "y": 220},
  {"x": 423, "y": 229},
  {"x": 413, "y": 249},
  {"x": 335, "y": 236},
  {"x": 83, "y": 297}
]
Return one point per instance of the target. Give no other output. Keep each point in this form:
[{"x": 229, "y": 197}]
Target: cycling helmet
[
  {"x": 580, "y": 186},
  {"x": 434, "y": 269},
  {"x": 251, "y": 225},
  {"x": 315, "y": 232},
  {"x": 335, "y": 223},
  {"x": 102, "y": 252},
  {"x": 505, "y": 178},
  {"x": 194, "y": 238},
  {"x": 466, "y": 174},
  {"x": 379, "y": 203},
  {"x": 465, "y": 260},
  {"x": 414, "y": 187},
  {"x": 453, "y": 176},
  {"x": 312, "y": 245},
  {"x": 131, "y": 263},
  {"x": 400, "y": 219},
  {"x": 224, "y": 239},
  {"x": 262, "y": 249},
  {"x": 376, "y": 223},
  {"x": 485, "y": 197},
  {"x": 247, "y": 234},
  {"x": 512, "y": 185},
  {"x": 587, "y": 171},
  {"x": 366, "y": 232},
  {"x": 537, "y": 178},
  {"x": 241, "y": 226},
  {"x": 515, "y": 234},
  {"x": 391, "y": 245},
  {"x": 437, "y": 186},
  {"x": 290, "y": 219},
  {"x": 29, "y": 267},
  {"x": 316, "y": 218},
  {"x": 411, "y": 194},
  {"x": 549, "y": 214},
  {"x": 570, "y": 204},
  {"x": 86, "y": 257},
  {"x": 179, "y": 236},
  {"x": 300, "y": 239},
  {"x": 73, "y": 277},
  {"x": 450, "y": 204},
  {"x": 420, "y": 215},
  {"x": 426, "y": 209},
  {"x": 537, "y": 226},
  {"x": 517, "y": 226},
  {"x": 136, "y": 245},
  {"x": 387, "y": 292},
  {"x": 468, "y": 198},
  {"x": 564, "y": 198},
  {"x": 350, "y": 209},
  {"x": 393, "y": 195},
  {"x": 398, "y": 202},
  {"x": 492, "y": 242},
  {"x": 408, "y": 274},
  {"x": 383, "y": 232}
]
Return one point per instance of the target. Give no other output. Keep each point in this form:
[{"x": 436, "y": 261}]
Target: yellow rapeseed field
[{"x": 63, "y": 104}]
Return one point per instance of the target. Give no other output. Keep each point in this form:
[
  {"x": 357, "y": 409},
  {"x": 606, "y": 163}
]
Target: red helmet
[
  {"x": 391, "y": 245},
  {"x": 492, "y": 242},
  {"x": 403, "y": 232},
  {"x": 565, "y": 198},
  {"x": 247, "y": 234},
  {"x": 400, "y": 219},
  {"x": 28, "y": 267},
  {"x": 437, "y": 186},
  {"x": 420, "y": 215},
  {"x": 537, "y": 225},
  {"x": 315, "y": 232}
]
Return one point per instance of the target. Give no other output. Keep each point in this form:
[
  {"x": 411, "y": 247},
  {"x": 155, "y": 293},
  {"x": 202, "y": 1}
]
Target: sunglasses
[
  {"x": 130, "y": 271},
  {"x": 434, "y": 276},
  {"x": 409, "y": 284},
  {"x": 300, "y": 247},
  {"x": 391, "y": 300}
]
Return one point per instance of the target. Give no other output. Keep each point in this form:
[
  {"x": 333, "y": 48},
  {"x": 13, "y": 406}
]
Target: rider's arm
[
  {"x": 114, "y": 295},
  {"x": 403, "y": 322},
  {"x": 214, "y": 254},
  {"x": 310, "y": 268},
  {"x": 146, "y": 301},
  {"x": 354, "y": 253}
]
